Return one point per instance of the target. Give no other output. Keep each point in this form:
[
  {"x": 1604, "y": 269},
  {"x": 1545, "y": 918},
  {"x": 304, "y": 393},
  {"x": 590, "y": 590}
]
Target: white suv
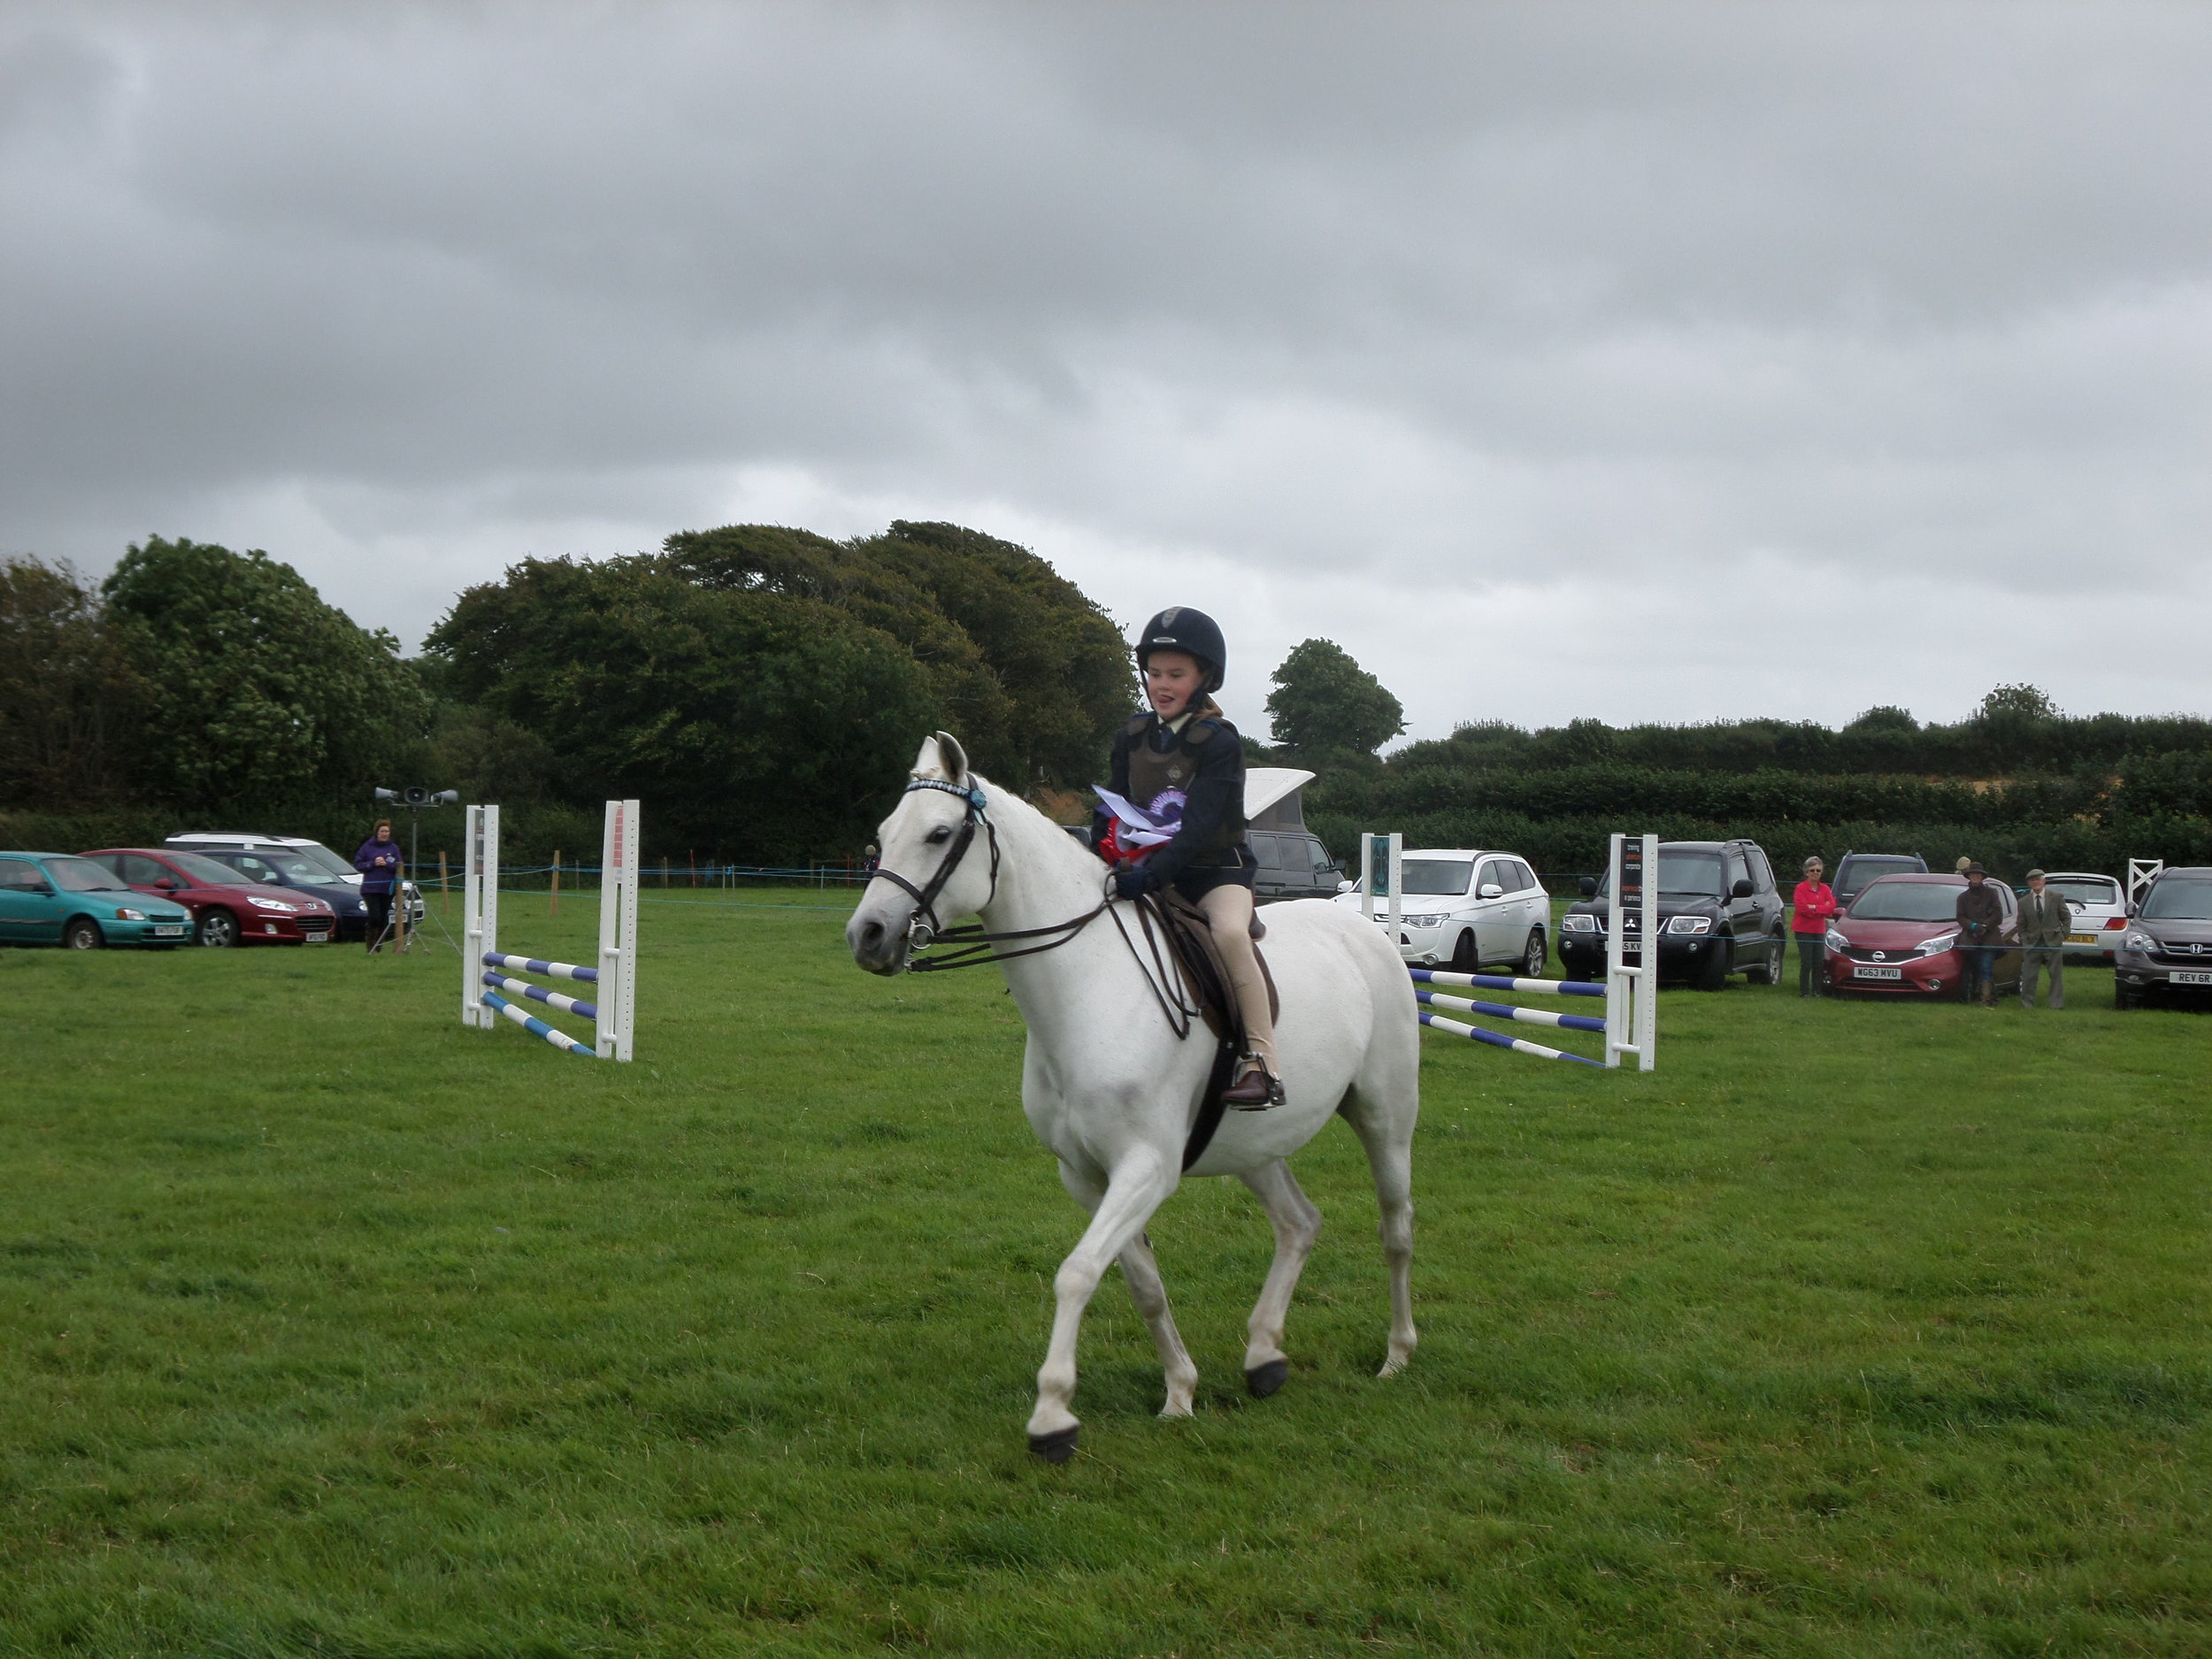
[{"x": 1467, "y": 909}]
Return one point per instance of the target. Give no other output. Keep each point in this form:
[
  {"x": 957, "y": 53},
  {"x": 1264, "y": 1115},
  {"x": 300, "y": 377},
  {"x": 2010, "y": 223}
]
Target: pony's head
[{"x": 935, "y": 861}]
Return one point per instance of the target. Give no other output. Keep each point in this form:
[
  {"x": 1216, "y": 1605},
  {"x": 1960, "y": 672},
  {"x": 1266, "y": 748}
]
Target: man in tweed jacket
[{"x": 2046, "y": 919}]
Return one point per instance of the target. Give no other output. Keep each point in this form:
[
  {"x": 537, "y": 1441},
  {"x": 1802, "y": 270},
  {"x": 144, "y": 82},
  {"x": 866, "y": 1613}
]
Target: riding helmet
[{"x": 1180, "y": 628}]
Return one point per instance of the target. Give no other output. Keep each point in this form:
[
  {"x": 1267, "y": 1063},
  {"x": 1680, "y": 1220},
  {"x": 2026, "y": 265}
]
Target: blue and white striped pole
[
  {"x": 538, "y": 993},
  {"x": 1501, "y": 982},
  {"x": 551, "y": 969},
  {"x": 537, "y": 1027},
  {"x": 1498, "y": 1040},
  {"x": 1508, "y": 1011}
]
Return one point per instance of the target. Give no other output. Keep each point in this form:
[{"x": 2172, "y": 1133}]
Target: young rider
[{"x": 1186, "y": 754}]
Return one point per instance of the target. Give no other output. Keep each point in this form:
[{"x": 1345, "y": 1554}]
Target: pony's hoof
[
  {"x": 1058, "y": 1447},
  {"x": 1263, "y": 1380}
]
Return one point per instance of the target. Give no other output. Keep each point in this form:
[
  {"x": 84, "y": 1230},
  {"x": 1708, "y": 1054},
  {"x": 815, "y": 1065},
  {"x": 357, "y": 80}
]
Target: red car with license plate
[
  {"x": 1901, "y": 938},
  {"x": 224, "y": 910}
]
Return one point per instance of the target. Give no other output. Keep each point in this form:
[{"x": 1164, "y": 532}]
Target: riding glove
[{"x": 1133, "y": 883}]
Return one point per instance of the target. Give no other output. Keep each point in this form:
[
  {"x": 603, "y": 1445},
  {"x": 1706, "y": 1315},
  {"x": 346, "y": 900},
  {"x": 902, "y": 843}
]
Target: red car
[
  {"x": 1900, "y": 938},
  {"x": 224, "y": 910}
]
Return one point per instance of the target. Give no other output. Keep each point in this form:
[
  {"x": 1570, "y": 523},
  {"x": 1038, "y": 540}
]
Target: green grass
[{"x": 329, "y": 1327}]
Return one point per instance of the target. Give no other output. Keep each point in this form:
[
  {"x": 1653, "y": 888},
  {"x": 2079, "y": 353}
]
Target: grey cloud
[{"x": 1454, "y": 305}]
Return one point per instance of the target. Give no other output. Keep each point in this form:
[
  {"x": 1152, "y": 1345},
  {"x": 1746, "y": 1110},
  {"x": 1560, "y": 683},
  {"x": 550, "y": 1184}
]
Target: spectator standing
[
  {"x": 1811, "y": 907},
  {"x": 2046, "y": 918},
  {"x": 1981, "y": 918},
  {"x": 378, "y": 861}
]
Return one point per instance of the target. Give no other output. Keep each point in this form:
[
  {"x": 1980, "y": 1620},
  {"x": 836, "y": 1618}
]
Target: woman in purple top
[{"x": 378, "y": 861}]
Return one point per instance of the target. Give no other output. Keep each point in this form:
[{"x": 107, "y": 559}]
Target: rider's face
[{"x": 1172, "y": 680}]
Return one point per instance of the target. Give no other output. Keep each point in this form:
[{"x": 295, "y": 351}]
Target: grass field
[{"x": 328, "y": 1327}]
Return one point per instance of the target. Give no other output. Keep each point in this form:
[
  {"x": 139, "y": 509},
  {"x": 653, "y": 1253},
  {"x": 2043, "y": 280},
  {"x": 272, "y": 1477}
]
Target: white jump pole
[
  {"x": 479, "y": 915},
  {"x": 617, "y": 931},
  {"x": 1632, "y": 950}
]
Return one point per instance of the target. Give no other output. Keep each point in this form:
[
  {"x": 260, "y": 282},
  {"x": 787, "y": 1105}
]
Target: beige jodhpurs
[{"x": 1228, "y": 910}]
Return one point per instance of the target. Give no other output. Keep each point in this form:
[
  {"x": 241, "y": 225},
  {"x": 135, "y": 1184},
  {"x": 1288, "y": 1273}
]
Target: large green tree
[
  {"x": 760, "y": 558},
  {"x": 764, "y": 722},
  {"x": 1062, "y": 661},
  {"x": 257, "y": 693},
  {"x": 1324, "y": 703},
  {"x": 1032, "y": 675},
  {"x": 70, "y": 700}
]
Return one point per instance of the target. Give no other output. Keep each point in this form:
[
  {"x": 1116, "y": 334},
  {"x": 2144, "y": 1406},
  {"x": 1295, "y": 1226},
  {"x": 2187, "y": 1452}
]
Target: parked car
[
  {"x": 1293, "y": 864},
  {"x": 1719, "y": 913},
  {"x": 307, "y": 865},
  {"x": 56, "y": 898},
  {"x": 2166, "y": 949},
  {"x": 1854, "y": 870},
  {"x": 2101, "y": 913},
  {"x": 227, "y": 909},
  {"x": 1467, "y": 909},
  {"x": 1900, "y": 938},
  {"x": 297, "y": 875}
]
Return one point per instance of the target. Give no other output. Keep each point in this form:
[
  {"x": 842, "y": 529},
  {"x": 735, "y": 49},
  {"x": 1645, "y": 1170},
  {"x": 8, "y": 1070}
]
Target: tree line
[{"x": 765, "y": 687}]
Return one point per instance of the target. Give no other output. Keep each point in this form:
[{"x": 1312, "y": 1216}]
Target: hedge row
[
  {"x": 1562, "y": 846},
  {"x": 1395, "y": 791}
]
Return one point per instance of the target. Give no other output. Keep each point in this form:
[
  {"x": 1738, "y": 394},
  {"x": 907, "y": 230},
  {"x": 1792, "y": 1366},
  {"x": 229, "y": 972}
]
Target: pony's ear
[{"x": 952, "y": 757}]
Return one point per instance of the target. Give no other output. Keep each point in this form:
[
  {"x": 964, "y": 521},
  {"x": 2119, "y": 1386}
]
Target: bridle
[{"x": 974, "y": 945}]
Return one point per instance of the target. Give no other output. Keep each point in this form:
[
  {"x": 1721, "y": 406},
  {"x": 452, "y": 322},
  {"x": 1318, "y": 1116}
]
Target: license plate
[
  {"x": 2081, "y": 939},
  {"x": 316, "y": 938},
  {"x": 168, "y": 933},
  {"x": 1877, "y": 973},
  {"x": 2191, "y": 976}
]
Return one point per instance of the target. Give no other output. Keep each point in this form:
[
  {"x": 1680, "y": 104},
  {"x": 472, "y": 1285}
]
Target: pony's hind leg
[
  {"x": 1297, "y": 1224},
  {"x": 1146, "y": 1289},
  {"x": 1141, "y": 1272},
  {"x": 1133, "y": 1191},
  {"x": 1385, "y": 1127}
]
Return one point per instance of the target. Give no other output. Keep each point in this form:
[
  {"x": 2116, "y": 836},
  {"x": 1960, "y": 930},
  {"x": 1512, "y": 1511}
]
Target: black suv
[
  {"x": 1855, "y": 870},
  {"x": 1719, "y": 913},
  {"x": 1293, "y": 864},
  {"x": 2167, "y": 949}
]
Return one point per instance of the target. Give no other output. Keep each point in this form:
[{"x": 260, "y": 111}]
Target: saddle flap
[{"x": 1205, "y": 976}]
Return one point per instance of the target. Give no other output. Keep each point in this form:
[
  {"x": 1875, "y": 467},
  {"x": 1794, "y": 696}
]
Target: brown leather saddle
[{"x": 1206, "y": 987}]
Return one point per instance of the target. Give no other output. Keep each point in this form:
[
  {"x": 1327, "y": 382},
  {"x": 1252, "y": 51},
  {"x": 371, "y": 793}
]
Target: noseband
[{"x": 924, "y": 927}]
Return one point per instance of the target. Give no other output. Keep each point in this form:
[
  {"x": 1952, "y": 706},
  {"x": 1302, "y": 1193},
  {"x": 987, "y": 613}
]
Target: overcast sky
[{"x": 1654, "y": 361}]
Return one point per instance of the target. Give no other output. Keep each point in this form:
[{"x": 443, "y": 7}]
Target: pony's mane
[{"x": 1007, "y": 807}]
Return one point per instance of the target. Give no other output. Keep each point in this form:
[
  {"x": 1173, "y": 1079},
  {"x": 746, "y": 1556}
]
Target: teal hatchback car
[{"x": 56, "y": 898}]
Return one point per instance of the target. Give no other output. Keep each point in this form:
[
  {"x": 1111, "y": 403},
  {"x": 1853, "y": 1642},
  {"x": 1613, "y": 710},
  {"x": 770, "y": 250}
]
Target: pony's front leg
[
  {"x": 1134, "y": 1189},
  {"x": 1150, "y": 1293}
]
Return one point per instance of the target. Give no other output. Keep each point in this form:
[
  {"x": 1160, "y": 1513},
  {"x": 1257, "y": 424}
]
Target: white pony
[{"x": 1113, "y": 1093}]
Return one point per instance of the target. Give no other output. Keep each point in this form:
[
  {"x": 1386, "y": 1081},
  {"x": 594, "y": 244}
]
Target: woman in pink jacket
[{"x": 1810, "y": 907}]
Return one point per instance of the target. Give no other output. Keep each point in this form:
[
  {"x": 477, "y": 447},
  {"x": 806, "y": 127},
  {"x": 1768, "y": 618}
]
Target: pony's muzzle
[{"x": 878, "y": 948}]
